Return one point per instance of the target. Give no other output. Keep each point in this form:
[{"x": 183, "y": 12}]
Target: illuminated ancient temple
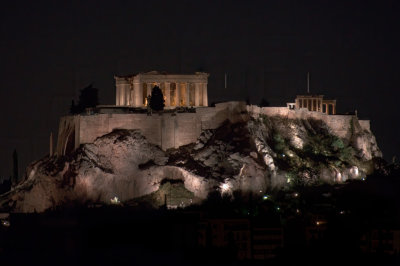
[
  {"x": 316, "y": 103},
  {"x": 178, "y": 89}
]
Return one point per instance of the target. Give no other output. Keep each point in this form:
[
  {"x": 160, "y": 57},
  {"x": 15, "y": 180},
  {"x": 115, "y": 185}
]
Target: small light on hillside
[
  {"x": 224, "y": 187},
  {"x": 115, "y": 201}
]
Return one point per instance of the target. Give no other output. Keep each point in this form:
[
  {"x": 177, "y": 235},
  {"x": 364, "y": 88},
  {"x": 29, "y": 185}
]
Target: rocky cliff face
[{"x": 257, "y": 155}]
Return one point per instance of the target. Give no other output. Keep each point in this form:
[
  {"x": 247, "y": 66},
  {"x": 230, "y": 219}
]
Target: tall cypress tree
[{"x": 157, "y": 99}]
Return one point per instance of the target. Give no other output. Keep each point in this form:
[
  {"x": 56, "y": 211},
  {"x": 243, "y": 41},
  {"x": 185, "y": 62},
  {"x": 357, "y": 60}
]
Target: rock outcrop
[{"x": 257, "y": 155}]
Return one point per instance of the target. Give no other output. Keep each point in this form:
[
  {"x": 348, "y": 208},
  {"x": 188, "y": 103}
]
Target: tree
[
  {"x": 157, "y": 99},
  {"x": 15, "y": 167},
  {"x": 88, "y": 98},
  {"x": 73, "y": 108}
]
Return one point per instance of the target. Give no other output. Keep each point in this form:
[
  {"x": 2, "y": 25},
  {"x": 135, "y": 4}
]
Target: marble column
[
  {"x": 197, "y": 94},
  {"x": 187, "y": 96},
  {"x": 138, "y": 94},
  {"x": 132, "y": 96},
  {"x": 122, "y": 95},
  {"x": 117, "y": 95},
  {"x": 149, "y": 88},
  {"x": 167, "y": 94},
  {"x": 128, "y": 90},
  {"x": 178, "y": 94},
  {"x": 205, "y": 97}
]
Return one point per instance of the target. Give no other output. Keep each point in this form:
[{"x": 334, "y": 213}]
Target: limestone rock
[{"x": 254, "y": 156}]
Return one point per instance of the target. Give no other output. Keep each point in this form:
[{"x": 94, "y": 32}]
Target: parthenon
[{"x": 178, "y": 89}]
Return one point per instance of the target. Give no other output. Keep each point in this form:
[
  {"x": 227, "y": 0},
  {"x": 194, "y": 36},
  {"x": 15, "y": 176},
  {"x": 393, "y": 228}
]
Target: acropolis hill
[
  {"x": 181, "y": 127},
  {"x": 127, "y": 152}
]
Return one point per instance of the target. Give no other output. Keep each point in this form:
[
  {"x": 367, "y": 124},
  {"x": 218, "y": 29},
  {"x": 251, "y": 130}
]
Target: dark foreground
[
  {"x": 352, "y": 224},
  {"x": 120, "y": 236}
]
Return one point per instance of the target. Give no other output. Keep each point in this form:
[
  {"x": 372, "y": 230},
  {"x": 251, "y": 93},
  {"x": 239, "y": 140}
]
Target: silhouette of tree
[
  {"x": 88, "y": 98},
  {"x": 73, "y": 108},
  {"x": 157, "y": 99},
  {"x": 15, "y": 167}
]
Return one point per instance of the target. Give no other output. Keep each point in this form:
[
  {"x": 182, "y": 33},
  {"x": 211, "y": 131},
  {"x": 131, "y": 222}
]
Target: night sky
[{"x": 49, "y": 50}]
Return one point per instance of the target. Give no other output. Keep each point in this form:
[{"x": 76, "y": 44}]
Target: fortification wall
[
  {"x": 365, "y": 124},
  {"x": 66, "y": 132},
  {"x": 173, "y": 130},
  {"x": 340, "y": 125},
  {"x": 166, "y": 130}
]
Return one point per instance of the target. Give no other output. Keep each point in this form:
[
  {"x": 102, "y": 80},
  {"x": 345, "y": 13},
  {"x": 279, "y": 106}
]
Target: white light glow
[
  {"x": 265, "y": 197},
  {"x": 339, "y": 177},
  {"x": 115, "y": 200},
  {"x": 354, "y": 171},
  {"x": 225, "y": 187},
  {"x": 5, "y": 223}
]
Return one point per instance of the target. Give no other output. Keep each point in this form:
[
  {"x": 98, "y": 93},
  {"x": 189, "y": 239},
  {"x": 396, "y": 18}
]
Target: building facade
[
  {"x": 316, "y": 103},
  {"x": 178, "y": 89}
]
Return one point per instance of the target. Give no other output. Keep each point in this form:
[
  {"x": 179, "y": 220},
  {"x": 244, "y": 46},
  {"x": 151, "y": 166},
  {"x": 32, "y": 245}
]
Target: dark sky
[{"x": 51, "y": 49}]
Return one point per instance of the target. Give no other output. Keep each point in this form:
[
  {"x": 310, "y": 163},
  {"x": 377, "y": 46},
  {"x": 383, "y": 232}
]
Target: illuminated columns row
[
  {"x": 123, "y": 94},
  {"x": 333, "y": 108},
  {"x": 311, "y": 104},
  {"x": 132, "y": 95}
]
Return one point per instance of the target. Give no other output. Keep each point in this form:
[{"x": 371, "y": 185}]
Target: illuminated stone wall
[
  {"x": 365, "y": 124},
  {"x": 174, "y": 130},
  {"x": 340, "y": 125},
  {"x": 166, "y": 130},
  {"x": 66, "y": 132}
]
